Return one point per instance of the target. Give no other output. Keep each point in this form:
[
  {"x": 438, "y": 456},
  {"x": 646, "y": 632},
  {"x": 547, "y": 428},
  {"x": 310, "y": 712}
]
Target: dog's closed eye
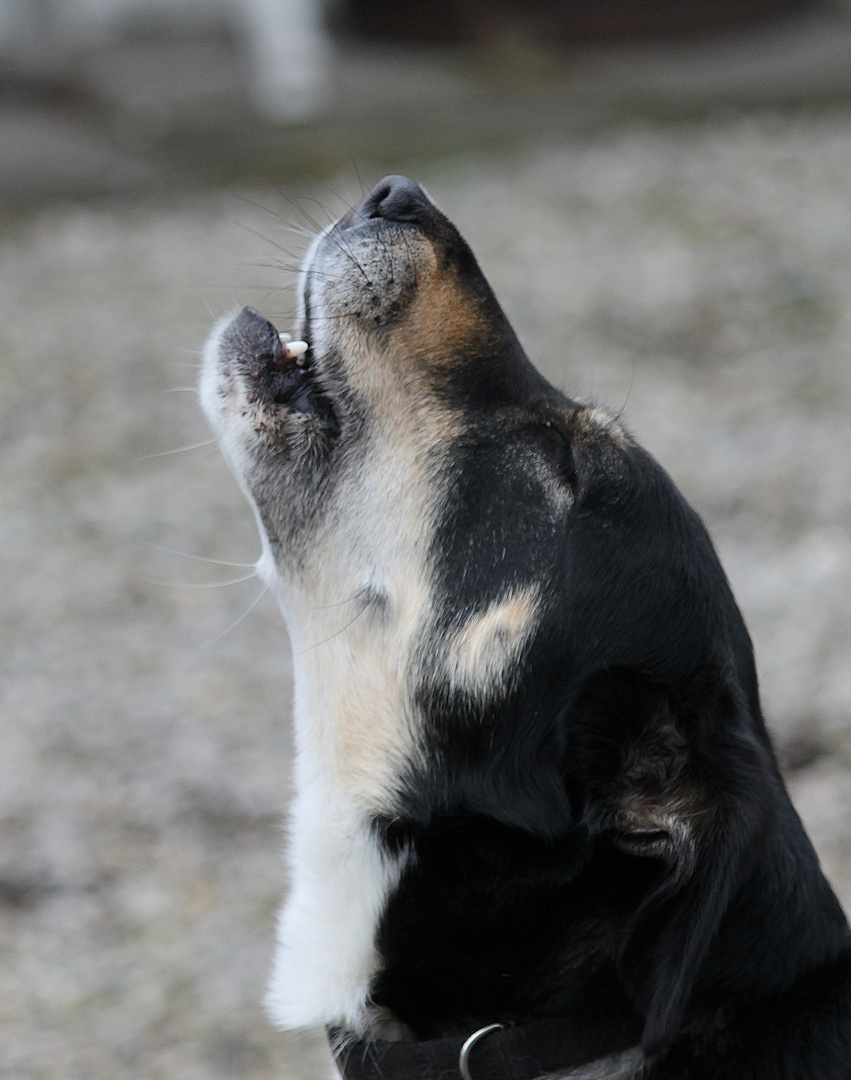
[{"x": 559, "y": 447}]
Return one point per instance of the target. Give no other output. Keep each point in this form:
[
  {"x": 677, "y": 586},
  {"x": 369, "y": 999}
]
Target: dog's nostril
[
  {"x": 395, "y": 198},
  {"x": 375, "y": 198}
]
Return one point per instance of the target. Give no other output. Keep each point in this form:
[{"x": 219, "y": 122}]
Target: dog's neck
[{"x": 353, "y": 731}]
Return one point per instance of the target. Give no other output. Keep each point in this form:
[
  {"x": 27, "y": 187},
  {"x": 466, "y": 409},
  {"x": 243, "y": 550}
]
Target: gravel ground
[{"x": 696, "y": 277}]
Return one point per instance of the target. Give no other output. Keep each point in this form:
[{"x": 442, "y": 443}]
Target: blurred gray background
[{"x": 663, "y": 203}]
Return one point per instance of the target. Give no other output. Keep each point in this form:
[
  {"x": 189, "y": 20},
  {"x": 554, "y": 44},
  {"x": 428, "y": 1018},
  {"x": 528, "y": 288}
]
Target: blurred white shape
[
  {"x": 289, "y": 56},
  {"x": 287, "y": 46}
]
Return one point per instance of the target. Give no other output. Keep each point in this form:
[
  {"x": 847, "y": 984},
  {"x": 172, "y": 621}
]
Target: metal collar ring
[{"x": 464, "y": 1056}]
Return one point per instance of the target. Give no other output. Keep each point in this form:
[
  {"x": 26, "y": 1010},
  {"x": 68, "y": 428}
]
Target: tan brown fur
[{"x": 482, "y": 654}]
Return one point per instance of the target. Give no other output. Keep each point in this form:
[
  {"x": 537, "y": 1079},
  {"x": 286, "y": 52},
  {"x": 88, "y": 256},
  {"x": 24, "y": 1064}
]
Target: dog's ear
[{"x": 672, "y": 931}]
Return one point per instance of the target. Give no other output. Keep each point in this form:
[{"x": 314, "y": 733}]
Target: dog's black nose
[{"x": 395, "y": 198}]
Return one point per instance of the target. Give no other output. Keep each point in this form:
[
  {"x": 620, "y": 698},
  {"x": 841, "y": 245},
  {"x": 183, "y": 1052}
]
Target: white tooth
[
  {"x": 295, "y": 349},
  {"x": 285, "y": 337}
]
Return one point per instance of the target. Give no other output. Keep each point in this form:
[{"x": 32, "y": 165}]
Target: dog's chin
[{"x": 248, "y": 368}]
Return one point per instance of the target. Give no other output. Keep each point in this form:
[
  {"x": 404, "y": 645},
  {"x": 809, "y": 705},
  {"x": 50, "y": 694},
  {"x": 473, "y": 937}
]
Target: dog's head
[
  {"x": 416, "y": 466},
  {"x": 349, "y": 453},
  {"x": 474, "y": 568}
]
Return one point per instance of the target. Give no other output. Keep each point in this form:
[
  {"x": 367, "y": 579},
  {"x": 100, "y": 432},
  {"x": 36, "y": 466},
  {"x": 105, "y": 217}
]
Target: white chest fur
[
  {"x": 326, "y": 937},
  {"x": 353, "y": 735}
]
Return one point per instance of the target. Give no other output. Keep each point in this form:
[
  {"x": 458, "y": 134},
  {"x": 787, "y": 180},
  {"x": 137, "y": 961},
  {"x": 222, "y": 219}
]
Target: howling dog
[{"x": 538, "y": 828}]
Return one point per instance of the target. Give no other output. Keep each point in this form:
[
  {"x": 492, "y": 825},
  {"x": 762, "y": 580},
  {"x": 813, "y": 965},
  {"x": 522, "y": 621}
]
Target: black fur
[{"x": 610, "y": 838}]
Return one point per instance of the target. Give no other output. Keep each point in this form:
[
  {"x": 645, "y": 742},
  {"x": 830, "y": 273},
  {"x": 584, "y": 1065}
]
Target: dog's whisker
[
  {"x": 346, "y": 250},
  {"x": 279, "y": 266},
  {"x": 342, "y": 603},
  {"x": 299, "y": 230},
  {"x": 295, "y": 270},
  {"x": 618, "y": 413},
  {"x": 342, "y": 630},
  {"x": 203, "y": 558},
  {"x": 317, "y": 319},
  {"x": 279, "y": 222},
  {"x": 178, "y": 450},
  {"x": 322, "y": 205},
  {"x": 199, "y": 584},
  {"x": 246, "y": 201},
  {"x": 266, "y": 239},
  {"x": 209, "y": 307},
  {"x": 294, "y": 255},
  {"x": 318, "y": 275},
  {"x": 341, "y": 199},
  {"x": 295, "y": 201},
  {"x": 241, "y": 618},
  {"x": 358, "y": 176}
]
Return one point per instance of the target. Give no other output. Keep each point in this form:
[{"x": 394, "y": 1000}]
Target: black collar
[{"x": 522, "y": 1052}]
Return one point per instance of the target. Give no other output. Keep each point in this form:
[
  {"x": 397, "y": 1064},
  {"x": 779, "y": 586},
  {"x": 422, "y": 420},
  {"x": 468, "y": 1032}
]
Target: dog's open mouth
[
  {"x": 277, "y": 374},
  {"x": 359, "y": 279}
]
